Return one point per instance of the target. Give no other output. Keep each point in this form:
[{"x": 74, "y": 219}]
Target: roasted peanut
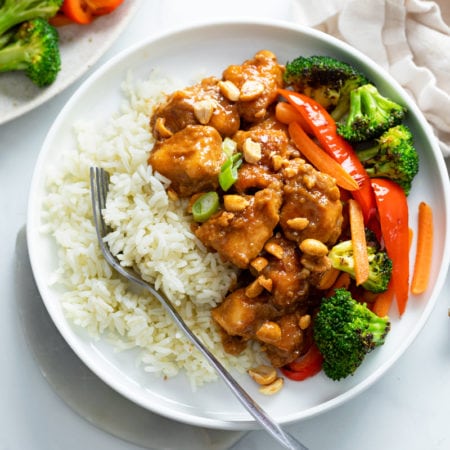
[
  {"x": 298, "y": 223},
  {"x": 251, "y": 90},
  {"x": 273, "y": 387},
  {"x": 235, "y": 203},
  {"x": 203, "y": 111},
  {"x": 313, "y": 247},
  {"x": 269, "y": 332},
  {"x": 263, "y": 374},
  {"x": 259, "y": 263},
  {"x": 252, "y": 151},
  {"x": 229, "y": 90},
  {"x": 274, "y": 249}
]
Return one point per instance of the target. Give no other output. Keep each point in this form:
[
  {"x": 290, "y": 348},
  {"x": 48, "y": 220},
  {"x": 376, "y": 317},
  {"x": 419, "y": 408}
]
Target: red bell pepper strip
[
  {"x": 393, "y": 214},
  {"x": 324, "y": 129},
  {"x": 305, "y": 366}
]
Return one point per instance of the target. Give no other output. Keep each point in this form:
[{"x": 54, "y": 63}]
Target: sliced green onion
[
  {"x": 229, "y": 171},
  {"x": 205, "y": 206},
  {"x": 229, "y": 146}
]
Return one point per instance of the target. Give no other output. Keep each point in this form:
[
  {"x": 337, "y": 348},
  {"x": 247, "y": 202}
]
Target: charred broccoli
[
  {"x": 33, "y": 49},
  {"x": 14, "y": 12},
  {"x": 380, "y": 265},
  {"x": 345, "y": 331},
  {"x": 370, "y": 115},
  {"x": 326, "y": 80},
  {"x": 394, "y": 156}
]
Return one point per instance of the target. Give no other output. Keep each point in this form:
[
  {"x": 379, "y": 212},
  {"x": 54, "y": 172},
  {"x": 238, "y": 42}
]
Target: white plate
[
  {"x": 80, "y": 46},
  {"x": 208, "y": 49}
]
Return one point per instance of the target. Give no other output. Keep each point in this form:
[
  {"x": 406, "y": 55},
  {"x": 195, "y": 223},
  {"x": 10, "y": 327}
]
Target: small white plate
[
  {"x": 209, "y": 49},
  {"x": 81, "y": 46}
]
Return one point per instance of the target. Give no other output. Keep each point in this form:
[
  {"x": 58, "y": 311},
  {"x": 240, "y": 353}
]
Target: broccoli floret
[
  {"x": 370, "y": 115},
  {"x": 326, "y": 80},
  {"x": 14, "y": 12},
  {"x": 380, "y": 265},
  {"x": 33, "y": 49},
  {"x": 394, "y": 156},
  {"x": 345, "y": 331}
]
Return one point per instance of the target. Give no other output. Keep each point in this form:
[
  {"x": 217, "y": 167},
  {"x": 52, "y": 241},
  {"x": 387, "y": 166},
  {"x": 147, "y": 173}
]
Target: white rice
[{"x": 151, "y": 232}]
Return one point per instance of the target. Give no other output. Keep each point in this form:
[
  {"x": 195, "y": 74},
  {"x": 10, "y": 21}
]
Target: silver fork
[{"x": 99, "y": 179}]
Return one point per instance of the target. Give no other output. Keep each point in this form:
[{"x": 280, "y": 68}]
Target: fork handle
[{"x": 284, "y": 438}]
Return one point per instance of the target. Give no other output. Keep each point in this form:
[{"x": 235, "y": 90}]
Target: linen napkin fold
[{"x": 408, "y": 38}]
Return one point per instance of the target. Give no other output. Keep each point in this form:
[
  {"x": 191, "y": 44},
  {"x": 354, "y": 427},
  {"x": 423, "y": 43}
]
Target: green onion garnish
[
  {"x": 228, "y": 172},
  {"x": 205, "y": 206}
]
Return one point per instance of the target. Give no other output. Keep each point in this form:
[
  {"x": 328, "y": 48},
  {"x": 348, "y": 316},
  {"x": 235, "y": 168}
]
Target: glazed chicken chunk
[
  {"x": 202, "y": 104},
  {"x": 191, "y": 159},
  {"x": 312, "y": 206},
  {"x": 257, "y": 80},
  {"x": 239, "y": 236}
]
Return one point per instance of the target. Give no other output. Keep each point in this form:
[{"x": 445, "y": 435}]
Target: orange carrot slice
[
  {"x": 286, "y": 113},
  {"x": 320, "y": 159},
  {"x": 383, "y": 302},
  {"x": 359, "y": 244},
  {"x": 424, "y": 251}
]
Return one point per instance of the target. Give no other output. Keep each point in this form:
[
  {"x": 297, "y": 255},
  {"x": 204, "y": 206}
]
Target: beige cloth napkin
[{"x": 408, "y": 38}]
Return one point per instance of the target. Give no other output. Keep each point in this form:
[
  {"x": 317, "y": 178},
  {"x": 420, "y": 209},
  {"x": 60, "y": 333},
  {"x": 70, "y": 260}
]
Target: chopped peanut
[
  {"x": 304, "y": 321},
  {"x": 229, "y": 90},
  {"x": 313, "y": 247},
  {"x": 253, "y": 289},
  {"x": 274, "y": 249},
  {"x": 161, "y": 129},
  {"x": 252, "y": 151},
  {"x": 263, "y": 374},
  {"x": 316, "y": 264},
  {"x": 277, "y": 162},
  {"x": 269, "y": 332},
  {"x": 250, "y": 90},
  {"x": 273, "y": 387},
  {"x": 203, "y": 111},
  {"x": 298, "y": 223},
  {"x": 259, "y": 263},
  {"x": 328, "y": 278},
  {"x": 235, "y": 203},
  {"x": 266, "y": 283}
]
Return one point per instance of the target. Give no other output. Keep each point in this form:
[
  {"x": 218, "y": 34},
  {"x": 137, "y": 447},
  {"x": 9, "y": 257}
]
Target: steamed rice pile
[{"x": 151, "y": 232}]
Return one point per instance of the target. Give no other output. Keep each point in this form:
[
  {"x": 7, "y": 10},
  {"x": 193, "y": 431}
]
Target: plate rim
[{"x": 279, "y": 25}]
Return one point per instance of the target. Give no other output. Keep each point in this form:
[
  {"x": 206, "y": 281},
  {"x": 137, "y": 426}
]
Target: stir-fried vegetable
[
  {"x": 205, "y": 206},
  {"x": 422, "y": 264}
]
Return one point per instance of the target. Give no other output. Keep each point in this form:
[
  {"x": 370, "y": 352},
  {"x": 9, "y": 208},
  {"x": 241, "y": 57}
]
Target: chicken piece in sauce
[
  {"x": 312, "y": 207},
  {"x": 240, "y": 315},
  {"x": 258, "y": 80},
  {"x": 288, "y": 277},
  {"x": 240, "y": 236},
  {"x": 271, "y": 141},
  {"x": 191, "y": 159},
  {"x": 202, "y": 104}
]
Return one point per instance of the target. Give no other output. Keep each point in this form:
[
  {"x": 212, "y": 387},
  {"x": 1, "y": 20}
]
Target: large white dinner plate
[
  {"x": 208, "y": 49},
  {"x": 81, "y": 46}
]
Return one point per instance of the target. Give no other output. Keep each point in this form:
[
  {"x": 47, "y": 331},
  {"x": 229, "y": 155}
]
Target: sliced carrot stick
[
  {"x": 383, "y": 302},
  {"x": 286, "y": 113},
  {"x": 424, "y": 251},
  {"x": 342, "y": 281},
  {"x": 320, "y": 159},
  {"x": 359, "y": 244}
]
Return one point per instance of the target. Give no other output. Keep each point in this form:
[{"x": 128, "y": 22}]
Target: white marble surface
[{"x": 407, "y": 409}]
